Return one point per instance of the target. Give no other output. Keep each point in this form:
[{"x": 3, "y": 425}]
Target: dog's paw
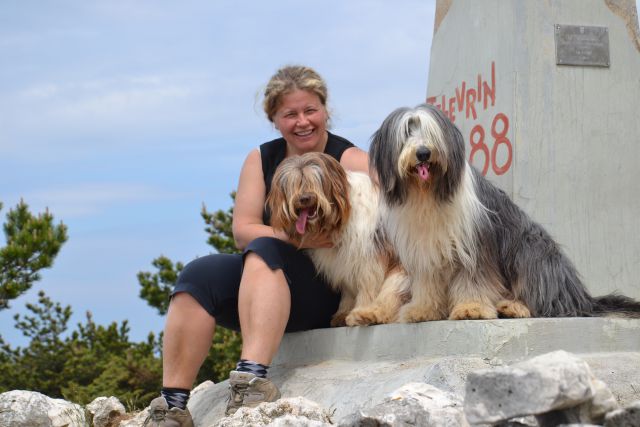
[
  {"x": 362, "y": 317},
  {"x": 472, "y": 311},
  {"x": 512, "y": 308},
  {"x": 417, "y": 313},
  {"x": 338, "y": 319}
]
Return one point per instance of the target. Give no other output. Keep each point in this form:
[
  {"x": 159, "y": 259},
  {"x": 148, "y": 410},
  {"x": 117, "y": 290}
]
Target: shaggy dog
[
  {"x": 312, "y": 196},
  {"x": 470, "y": 252}
]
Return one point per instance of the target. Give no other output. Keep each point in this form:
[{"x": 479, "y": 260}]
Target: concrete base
[{"x": 346, "y": 368}]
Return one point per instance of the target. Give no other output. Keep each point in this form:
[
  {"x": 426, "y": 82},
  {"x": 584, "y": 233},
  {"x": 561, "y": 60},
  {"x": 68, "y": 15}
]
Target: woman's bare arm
[{"x": 249, "y": 206}]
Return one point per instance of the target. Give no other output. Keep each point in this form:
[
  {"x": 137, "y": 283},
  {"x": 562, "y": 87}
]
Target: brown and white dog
[{"x": 312, "y": 196}]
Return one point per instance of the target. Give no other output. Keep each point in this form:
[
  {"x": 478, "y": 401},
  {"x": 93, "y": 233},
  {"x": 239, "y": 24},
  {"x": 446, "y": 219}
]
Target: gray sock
[
  {"x": 175, "y": 397},
  {"x": 258, "y": 369}
]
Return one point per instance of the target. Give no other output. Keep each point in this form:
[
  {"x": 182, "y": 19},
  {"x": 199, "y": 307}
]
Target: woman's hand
[
  {"x": 320, "y": 241},
  {"x": 304, "y": 242}
]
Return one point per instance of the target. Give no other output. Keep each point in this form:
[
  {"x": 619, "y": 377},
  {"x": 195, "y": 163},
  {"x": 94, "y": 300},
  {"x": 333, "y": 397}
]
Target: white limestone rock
[
  {"x": 136, "y": 419},
  {"x": 412, "y": 404},
  {"x": 552, "y": 381},
  {"x": 603, "y": 401},
  {"x": 587, "y": 413},
  {"x": 106, "y": 411},
  {"x": 294, "y": 421},
  {"x": 529, "y": 421},
  {"x": 19, "y": 408},
  {"x": 579, "y": 425},
  {"x": 629, "y": 416},
  {"x": 296, "y": 411},
  {"x": 201, "y": 387}
]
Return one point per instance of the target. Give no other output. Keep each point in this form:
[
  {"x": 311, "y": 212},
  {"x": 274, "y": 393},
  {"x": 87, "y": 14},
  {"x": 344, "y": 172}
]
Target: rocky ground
[{"x": 553, "y": 389}]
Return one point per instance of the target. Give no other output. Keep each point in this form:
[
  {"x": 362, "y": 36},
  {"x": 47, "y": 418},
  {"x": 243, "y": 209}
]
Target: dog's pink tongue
[
  {"x": 301, "y": 223},
  {"x": 423, "y": 172}
]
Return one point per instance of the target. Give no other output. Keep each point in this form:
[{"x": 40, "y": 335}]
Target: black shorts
[{"x": 214, "y": 281}]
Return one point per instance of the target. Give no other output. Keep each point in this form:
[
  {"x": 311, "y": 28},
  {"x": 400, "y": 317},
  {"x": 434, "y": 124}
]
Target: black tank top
[{"x": 273, "y": 152}]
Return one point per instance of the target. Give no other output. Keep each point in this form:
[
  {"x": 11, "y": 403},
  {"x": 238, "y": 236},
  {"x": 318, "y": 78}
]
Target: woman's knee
[
  {"x": 185, "y": 306},
  {"x": 186, "y": 301},
  {"x": 267, "y": 253},
  {"x": 255, "y": 264}
]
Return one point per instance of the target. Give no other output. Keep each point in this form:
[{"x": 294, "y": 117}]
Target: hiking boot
[
  {"x": 161, "y": 416},
  {"x": 246, "y": 389}
]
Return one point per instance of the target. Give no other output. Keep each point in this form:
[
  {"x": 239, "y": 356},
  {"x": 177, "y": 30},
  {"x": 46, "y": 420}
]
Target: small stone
[
  {"x": 106, "y": 411},
  {"x": 629, "y": 416},
  {"x": 417, "y": 404},
  {"x": 296, "y": 411}
]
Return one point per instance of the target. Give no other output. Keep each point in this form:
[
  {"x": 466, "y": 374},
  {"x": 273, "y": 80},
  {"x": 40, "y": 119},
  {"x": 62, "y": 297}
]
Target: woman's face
[{"x": 302, "y": 120}]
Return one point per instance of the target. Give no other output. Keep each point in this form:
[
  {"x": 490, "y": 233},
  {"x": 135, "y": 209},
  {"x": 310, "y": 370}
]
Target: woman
[{"x": 270, "y": 289}]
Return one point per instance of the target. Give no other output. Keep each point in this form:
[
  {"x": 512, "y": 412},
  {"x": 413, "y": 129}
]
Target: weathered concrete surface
[
  {"x": 563, "y": 141},
  {"x": 344, "y": 368}
]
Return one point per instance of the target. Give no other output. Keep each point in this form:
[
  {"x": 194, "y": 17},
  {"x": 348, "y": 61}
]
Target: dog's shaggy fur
[
  {"x": 311, "y": 195},
  {"x": 470, "y": 252}
]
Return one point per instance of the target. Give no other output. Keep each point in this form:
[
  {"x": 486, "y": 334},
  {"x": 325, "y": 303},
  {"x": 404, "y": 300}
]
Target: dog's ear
[
  {"x": 336, "y": 186},
  {"x": 336, "y": 175},
  {"x": 276, "y": 201},
  {"x": 456, "y": 162},
  {"x": 384, "y": 153}
]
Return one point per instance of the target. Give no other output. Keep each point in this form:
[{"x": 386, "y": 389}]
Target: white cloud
[
  {"x": 91, "y": 199},
  {"x": 138, "y": 112},
  {"x": 120, "y": 104},
  {"x": 40, "y": 92},
  {"x": 105, "y": 98}
]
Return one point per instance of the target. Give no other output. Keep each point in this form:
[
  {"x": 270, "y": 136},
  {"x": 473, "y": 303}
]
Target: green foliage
[
  {"x": 103, "y": 362},
  {"x": 92, "y": 361},
  {"x": 37, "y": 366},
  {"x": 222, "y": 357},
  {"x": 32, "y": 243},
  {"x": 156, "y": 288},
  {"x": 219, "y": 228}
]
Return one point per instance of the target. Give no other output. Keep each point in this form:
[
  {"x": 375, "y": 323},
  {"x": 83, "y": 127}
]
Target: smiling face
[{"x": 301, "y": 118}]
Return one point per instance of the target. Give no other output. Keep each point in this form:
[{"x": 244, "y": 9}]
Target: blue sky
[{"x": 124, "y": 117}]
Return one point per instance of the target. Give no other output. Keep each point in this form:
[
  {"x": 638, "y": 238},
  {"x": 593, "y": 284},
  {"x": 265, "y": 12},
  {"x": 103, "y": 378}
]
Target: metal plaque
[{"x": 582, "y": 45}]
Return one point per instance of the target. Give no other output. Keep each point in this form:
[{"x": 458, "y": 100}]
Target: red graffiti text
[{"x": 467, "y": 99}]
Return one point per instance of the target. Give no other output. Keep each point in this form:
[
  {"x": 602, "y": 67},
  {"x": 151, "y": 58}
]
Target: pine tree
[
  {"x": 32, "y": 243},
  {"x": 91, "y": 361}
]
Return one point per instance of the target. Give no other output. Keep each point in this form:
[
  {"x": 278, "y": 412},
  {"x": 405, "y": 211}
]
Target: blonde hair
[{"x": 286, "y": 80}]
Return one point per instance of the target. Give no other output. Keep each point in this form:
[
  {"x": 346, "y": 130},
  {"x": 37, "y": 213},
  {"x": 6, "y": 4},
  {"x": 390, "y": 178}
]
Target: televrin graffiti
[{"x": 466, "y": 99}]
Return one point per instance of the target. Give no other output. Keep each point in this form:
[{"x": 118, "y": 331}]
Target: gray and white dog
[{"x": 470, "y": 252}]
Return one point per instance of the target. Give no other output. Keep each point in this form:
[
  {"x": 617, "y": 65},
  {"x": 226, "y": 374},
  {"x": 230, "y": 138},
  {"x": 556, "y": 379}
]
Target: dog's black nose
[
  {"x": 423, "y": 154},
  {"x": 307, "y": 199}
]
